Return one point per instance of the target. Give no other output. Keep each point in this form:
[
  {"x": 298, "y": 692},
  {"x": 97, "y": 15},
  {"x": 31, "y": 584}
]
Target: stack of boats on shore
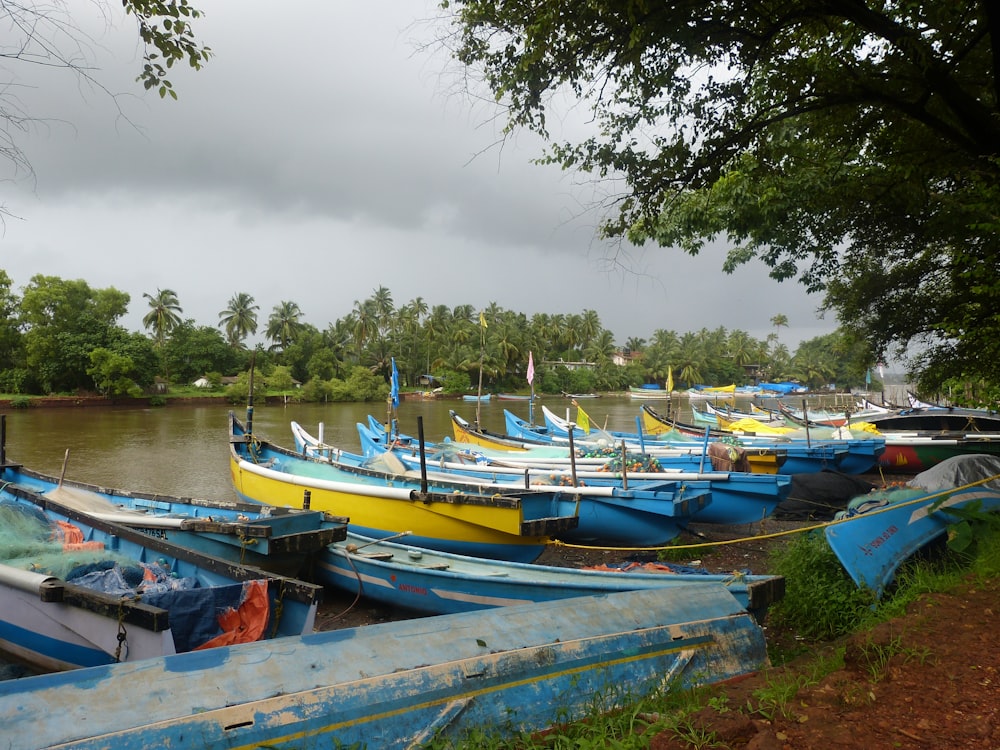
[
  {"x": 849, "y": 454},
  {"x": 613, "y": 506},
  {"x": 524, "y": 646}
]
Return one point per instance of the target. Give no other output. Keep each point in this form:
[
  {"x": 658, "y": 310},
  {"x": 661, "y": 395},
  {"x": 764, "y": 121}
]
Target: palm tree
[
  {"x": 635, "y": 344},
  {"x": 601, "y": 349},
  {"x": 383, "y": 307},
  {"x": 691, "y": 354},
  {"x": 778, "y": 321},
  {"x": 164, "y": 314},
  {"x": 283, "y": 326},
  {"x": 239, "y": 319},
  {"x": 590, "y": 327}
]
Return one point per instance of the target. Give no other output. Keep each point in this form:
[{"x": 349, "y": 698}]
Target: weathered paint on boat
[
  {"x": 398, "y": 684},
  {"x": 400, "y": 575}
]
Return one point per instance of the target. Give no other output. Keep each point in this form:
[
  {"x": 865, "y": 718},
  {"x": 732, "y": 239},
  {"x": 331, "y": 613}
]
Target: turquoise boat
[
  {"x": 429, "y": 582},
  {"x": 881, "y": 530},
  {"x": 398, "y": 685}
]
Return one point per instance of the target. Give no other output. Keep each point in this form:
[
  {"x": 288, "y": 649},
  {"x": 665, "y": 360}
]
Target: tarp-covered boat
[{"x": 881, "y": 530}]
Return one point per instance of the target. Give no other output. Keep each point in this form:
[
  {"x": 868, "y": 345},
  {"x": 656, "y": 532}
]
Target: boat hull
[
  {"x": 49, "y": 623},
  {"x": 431, "y": 582},
  {"x": 394, "y": 685},
  {"x": 872, "y": 545},
  {"x": 910, "y": 455}
]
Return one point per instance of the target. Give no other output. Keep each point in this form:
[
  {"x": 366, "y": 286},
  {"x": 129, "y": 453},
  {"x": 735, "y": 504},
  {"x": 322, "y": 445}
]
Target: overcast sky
[{"x": 319, "y": 155}]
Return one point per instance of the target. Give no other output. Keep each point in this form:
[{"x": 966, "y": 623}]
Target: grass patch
[{"x": 821, "y": 601}]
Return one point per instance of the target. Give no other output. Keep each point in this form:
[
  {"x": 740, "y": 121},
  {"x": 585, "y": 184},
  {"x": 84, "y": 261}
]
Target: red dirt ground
[{"x": 938, "y": 688}]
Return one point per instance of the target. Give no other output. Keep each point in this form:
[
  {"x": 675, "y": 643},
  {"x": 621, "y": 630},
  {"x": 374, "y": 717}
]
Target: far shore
[{"x": 36, "y": 402}]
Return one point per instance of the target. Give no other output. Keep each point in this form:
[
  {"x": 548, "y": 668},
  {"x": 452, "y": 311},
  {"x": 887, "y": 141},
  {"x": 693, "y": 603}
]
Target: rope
[
  {"x": 122, "y": 632},
  {"x": 351, "y": 550},
  {"x": 787, "y": 532},
  {"x": 279, "y": 606}
]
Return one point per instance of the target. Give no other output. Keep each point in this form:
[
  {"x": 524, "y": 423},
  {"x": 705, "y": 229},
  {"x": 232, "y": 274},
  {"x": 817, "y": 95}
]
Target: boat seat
[
  {"x": 436, "y": 566},
  {"x": 376, "y": 555}
]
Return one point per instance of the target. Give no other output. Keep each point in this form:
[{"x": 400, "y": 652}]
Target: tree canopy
[
  {"x": 850, "y": 144},
  {"x": 51, "y": 35}
]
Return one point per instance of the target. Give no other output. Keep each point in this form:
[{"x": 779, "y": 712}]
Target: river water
[{"x": 183, "y": 450}]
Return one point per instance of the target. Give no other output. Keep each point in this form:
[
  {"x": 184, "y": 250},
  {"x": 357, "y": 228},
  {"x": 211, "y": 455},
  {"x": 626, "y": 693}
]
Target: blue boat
[
  {"x": 805, "y": 452},
  {"x": 800, "y": 457},
  {"x": 733, "y": 497},
  {"x": 512, "y": 526},
  {"x": 429, "y": 582},
  {"x": 880, "y": 531},
  {"x": 276, "y": 539},
  {"x": 80, "y": 591},
  {"x": 395, "y": 685}
]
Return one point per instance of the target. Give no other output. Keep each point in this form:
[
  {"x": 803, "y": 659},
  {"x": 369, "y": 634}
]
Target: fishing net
[
  {"x": 199, "y": 616},
  {"x": 29, "y": 540}
]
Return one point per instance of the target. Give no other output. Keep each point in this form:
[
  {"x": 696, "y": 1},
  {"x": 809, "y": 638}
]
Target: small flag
[
  {"x": 394, "y": 384},
  {"x": 881, "y": 370},
  {"x": 531, "y": 369},
  {"x": 582, "y": 419},
  {"x": 670, "y": 379},
  {"x": 482, "y": 319}
]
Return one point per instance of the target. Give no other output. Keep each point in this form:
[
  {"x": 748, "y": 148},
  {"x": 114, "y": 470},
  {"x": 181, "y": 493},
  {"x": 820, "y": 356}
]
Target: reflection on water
[{"x": 183, "y": 450}]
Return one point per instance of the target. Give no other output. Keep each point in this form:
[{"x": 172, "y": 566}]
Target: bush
[{"x": 821, "y": 601}]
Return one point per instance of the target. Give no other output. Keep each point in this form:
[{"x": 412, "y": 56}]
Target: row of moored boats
[{"x": 152, "y": 619}]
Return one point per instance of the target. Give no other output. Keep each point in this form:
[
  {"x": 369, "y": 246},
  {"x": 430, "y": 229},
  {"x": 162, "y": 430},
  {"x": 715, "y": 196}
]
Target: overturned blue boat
[
  {"x": 880, "y": 531},
  {"x": 399, "y": 684}
]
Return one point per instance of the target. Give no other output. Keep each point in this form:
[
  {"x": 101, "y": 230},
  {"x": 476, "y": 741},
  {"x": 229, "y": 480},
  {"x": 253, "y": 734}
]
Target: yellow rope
[{"x": 776, "y": 534}]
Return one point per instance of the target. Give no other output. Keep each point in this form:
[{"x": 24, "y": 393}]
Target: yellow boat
[{"x": 509, "y": 526}]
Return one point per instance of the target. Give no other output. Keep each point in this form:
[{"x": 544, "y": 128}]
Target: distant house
[
  {"x": 569, "y": 365},
  {"x": 204, "y": 382},
  {"x": 623, "y": 357}
]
